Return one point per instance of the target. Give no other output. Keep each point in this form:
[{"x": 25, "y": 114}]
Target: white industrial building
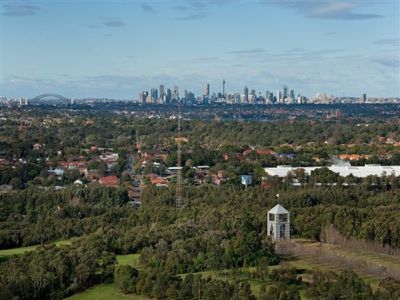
[
  {"x": 278, "y": 223},
  {"x": 343, "y": 170}
]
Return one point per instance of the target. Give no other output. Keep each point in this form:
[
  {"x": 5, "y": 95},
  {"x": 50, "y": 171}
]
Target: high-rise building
[
  {"x": 253, "y": 96},
  {"x": 223, "y": 87},
  {"x": 291, "y": 94},
  {"x": 237, "y": 98},
  {"x": 154, "y": 95},
  {"x": 168, "y": 96},
  {"x": 363, "y": 98},
  {"x": 162, "y": 91},
  {"x": 207, "y": 90},
  {"x": 285, "y": 92},
  {"x": 175, "y": 93},
  {"x": 246, "y": 94},
  {"x": 269, "y": 96},
  {"x": 143, "y": 96},
  {"x": 279, "y": 96},
  {"x": 189, "y": 97}
]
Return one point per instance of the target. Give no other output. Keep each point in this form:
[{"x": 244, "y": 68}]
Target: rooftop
[
  {"x": 278, "y": 209},
  {"x": 345, "y": 170}
]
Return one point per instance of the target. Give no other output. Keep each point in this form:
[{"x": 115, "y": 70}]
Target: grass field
[
  {"x": 105, "y": 292},
  {"x": 21, "y": 250},
  {"x": 108, "y": 291},
  {"x": 370, "y": 266},
  {"x": 130, "y": 259}
]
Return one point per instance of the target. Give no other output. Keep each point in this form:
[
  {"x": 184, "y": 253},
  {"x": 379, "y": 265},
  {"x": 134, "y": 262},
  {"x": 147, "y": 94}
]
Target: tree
[{"x": 125, "y": 278}]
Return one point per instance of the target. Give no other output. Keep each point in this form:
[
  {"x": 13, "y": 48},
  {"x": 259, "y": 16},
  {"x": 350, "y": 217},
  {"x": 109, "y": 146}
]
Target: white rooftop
[
  {"x": 362, "y": 171},
  {"x": 278, "y": 209}
]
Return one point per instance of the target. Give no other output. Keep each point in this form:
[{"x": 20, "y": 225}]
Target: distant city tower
[
  {"x": 175, "y": 93},
  {"x": 285, "y": 92},
  {"x": 207, "y": 90},
  {"x": 363, "y": 98},
  {"x": 279, "y": 223},
  {"x": 162, "y": 91},
  {"x": 223, "y": 87},
  {"x": 246, "y": 94}
]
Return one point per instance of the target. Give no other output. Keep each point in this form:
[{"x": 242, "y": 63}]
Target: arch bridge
[{"x": 49, "y": 97}]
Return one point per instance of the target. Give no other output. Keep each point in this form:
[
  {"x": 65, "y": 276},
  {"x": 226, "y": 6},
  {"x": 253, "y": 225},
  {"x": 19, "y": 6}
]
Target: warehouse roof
[{"x": 362, "y": 171}]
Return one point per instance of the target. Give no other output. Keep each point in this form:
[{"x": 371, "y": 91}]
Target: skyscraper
[
  {"x": 223, "y": 87},
  {"x": 175, "y": 93},
  {"x": 279, "y": 96},
  {"x": 363, "y": 98},
  {"x": 207, "y": 90},
  {"x": 154, "y": 95},
  {"x": 291, "y": 94},
  {"x": 143, "y": 96},
  {"x": 269, "y": 96},
  {"x": 162, "y": 91},
  {"x": 253, "y": 96},
  {"x": 285, "y": 92},
  {"x": 246, "y": 94},
  {"x": 168, "y": 96}
]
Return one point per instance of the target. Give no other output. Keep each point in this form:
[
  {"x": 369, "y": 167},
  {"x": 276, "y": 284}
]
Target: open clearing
[
  {"x": 108, "y": 291},
  {"x": 104, "y": 292},
  {"x": 21, "y": 250},
  {"x": 130, "y": 259},
  {"x": 371, "y": 266}
]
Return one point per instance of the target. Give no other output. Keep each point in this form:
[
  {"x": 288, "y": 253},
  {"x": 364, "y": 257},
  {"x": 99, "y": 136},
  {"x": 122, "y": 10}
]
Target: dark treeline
[
  {"x": 36, "y": 216},
  {"x": 52, "y": 272},
  {"x": 219, "y": 228}
]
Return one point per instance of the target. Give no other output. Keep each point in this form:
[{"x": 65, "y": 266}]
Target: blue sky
[{"x": 105, "y": 48}]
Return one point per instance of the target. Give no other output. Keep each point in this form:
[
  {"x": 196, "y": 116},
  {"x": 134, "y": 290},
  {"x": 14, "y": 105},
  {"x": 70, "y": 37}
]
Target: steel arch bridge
[{"x": 44, "y": 96}]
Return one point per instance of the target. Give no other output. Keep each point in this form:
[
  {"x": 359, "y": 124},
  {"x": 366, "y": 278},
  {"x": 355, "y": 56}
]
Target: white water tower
[{"x": 279, "y": 223}]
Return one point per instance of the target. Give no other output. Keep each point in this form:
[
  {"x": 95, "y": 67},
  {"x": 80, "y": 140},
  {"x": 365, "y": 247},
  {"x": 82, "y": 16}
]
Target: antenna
[{"x": 179, "y": 198}]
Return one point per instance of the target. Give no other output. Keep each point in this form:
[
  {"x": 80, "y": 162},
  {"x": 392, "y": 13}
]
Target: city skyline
[{"x": 117, "y": 49}]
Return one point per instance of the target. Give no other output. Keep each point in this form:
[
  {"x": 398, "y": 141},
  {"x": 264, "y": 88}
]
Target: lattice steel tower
[{"x": 179, "y": 180}]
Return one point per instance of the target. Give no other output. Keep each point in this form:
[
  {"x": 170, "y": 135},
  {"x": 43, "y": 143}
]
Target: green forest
[{"x": 220, "y": 228}]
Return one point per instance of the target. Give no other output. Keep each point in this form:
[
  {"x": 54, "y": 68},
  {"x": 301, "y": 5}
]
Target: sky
[{"x": 117, "y": 48}]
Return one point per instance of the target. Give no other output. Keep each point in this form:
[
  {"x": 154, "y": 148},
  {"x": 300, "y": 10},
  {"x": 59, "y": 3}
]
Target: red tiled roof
[
  {"x": 265, "y": 152},
  {"x": 158, "y": 180},
  {"x": 109, "y": 181}
]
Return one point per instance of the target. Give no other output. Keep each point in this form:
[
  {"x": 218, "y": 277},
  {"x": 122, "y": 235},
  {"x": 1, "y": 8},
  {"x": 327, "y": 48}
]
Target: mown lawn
[
  {"x": 21, "y": 250},
  {"x": 130, "y": 259},
  {"x": 108, "y": 291},
  {"x": 105, "y": 292}
]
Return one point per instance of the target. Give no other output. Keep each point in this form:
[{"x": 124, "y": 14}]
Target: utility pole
[{"x": 179, "y": 198}]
